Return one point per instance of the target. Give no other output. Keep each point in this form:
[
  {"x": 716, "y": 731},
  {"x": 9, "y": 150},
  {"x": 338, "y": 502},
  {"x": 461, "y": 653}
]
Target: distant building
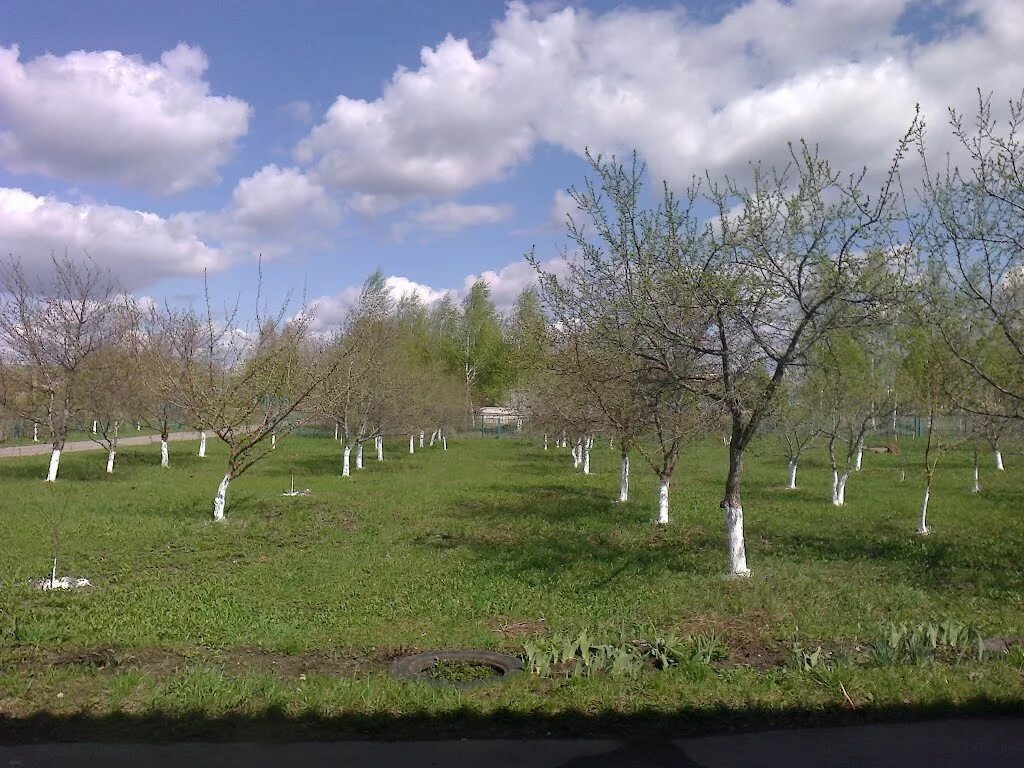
[{"x": 498, "y": 416}]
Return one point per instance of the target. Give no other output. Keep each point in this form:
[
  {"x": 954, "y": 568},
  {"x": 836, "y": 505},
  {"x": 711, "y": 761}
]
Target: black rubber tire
[{"x": 412, "y": 667}]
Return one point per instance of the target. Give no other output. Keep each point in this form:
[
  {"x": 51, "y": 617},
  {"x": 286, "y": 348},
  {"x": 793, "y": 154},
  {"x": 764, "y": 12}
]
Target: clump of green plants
[
  {"x": 907, "y": 644},
  {"x": 564, "y": 655}
]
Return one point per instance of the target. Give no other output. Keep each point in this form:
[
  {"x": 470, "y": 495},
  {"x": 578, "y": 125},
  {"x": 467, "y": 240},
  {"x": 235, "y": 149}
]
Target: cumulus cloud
[
  {"x": 561, "y": 207},
  {"x": 701, "y": 94},
  {"x": 271, "y": 212},
  {"x": 137, "y": 246},
  {"x": 330, "y": 311},
  {"x": 449, "y": 218},
  {"x": 506, "y": 284},
  {"x": 108, "y": 116}
]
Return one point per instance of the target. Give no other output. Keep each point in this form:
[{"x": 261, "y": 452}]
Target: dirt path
[{"x": 38, "y": 449}]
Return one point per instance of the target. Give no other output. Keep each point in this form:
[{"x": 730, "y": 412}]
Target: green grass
[{"x": 443, "y": 550}]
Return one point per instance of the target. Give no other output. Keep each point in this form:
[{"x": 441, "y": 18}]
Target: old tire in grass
[{"x": 413, "y": 667}]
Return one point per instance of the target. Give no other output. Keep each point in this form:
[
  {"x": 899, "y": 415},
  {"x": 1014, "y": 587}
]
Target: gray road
[
  {"x": 37, "y": 449},
  {"x": 994, "y": 743}
]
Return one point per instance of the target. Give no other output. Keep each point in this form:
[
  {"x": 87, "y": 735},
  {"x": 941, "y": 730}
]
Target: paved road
[
  {"x": 37, "y": 449},
  {"x": 993, "y": 743}
]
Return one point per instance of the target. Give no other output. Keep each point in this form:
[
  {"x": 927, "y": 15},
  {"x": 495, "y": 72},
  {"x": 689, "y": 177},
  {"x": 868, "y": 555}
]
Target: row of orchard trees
[
  {"x": 75, "y": 349},
  {"x": 804, "y": 299}
]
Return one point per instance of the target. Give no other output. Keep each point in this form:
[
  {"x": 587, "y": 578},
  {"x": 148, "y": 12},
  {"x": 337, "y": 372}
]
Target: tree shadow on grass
[{"x": 552, "y": 530}]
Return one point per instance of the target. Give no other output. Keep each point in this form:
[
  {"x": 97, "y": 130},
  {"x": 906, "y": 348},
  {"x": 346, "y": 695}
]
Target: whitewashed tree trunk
[
  {"x": 792, "y": 475},
  {"x": 586, "y": 454},
  {"x": 51, "y": 472},
  {"x": 903, "y": 474},
  {"x": 359, "y": 456},
  {"x": 202, "y": 444},
  {"x": 164, "y": 457},
  {"x": 421, "y": 438},
  {"x": 859, "y": 457},
  {"x": 95, "y": 425},
  {"x": 922, "y": 527},
  {"x": 345, "y": 453},
  {"x": 999, "y": 460},
  {"x": 444, "y": 442},
  {"x": 839, "y": 488},
  {"x": 624, "y": 478},
  {"x": 412, "y": 445},
  {"x": 110, "y": 460},
  {"x": 337, "y": 430},
  {"x": 380, "y": 448},
  {"x": 663, "y": 502},
  {"x": 611, "y": 443},
  {"x": 273, "y": 440},
  {"x": 737, "y": 549},
  {"x": 220, "y": 500},
  {"x": 545, "y": 441},
  {"x": 976, "y": 484},
  {"x": 433, "y": 435},
  {"x": 577, "y": 455},
  {"x": 35, "y": 433}
]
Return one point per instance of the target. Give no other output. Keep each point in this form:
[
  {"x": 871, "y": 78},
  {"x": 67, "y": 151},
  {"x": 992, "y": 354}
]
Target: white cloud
[
  {"x": 138, "y": 247},
  {"x": 686, "y": 93},
  {"x": 449, "y": 218},
  {"x": 330, "y": 311},
  {"x": 107, "y": 116},
  {"x": 270, "y": 212},
  {"x": 400, "y": 287},
  {"x": 506, "y": 284},
  {"x": 562, "y": 207}
]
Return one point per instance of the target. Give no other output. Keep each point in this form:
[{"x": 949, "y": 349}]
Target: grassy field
[{"x": 290, "y": 612}]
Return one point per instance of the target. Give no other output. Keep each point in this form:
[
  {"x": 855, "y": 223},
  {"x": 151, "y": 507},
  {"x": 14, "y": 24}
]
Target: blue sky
[{"x": 432, "y": 140}]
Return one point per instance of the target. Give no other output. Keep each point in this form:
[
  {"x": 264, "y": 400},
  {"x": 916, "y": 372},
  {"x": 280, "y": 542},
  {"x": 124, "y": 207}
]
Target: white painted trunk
[
  {"x": 202, "y": 444},
  {"x": 839, "y": 489},
  {"x": 412, "y": 446},
  {"x": 433, "y": 436},
  {"x": 999, "y": 460},
  {"x": 903, "y": 474},
  {"x": 380, "y": 448},
  {"x": 859, "y": 457},
  {"x": 35, "y": 433},
  {"x": 624, "y": 478},
  {"x": 164, "y": 459},
  {"x": 345, "y": 453},
  {"x": 51, "y": 472},
  {"x": 545, "y": 441},
  {"x": 220, "y": 500},
  {"x": 336, "y": 429},
  {"x": 586, "y": 455},
  {"x": 663, "y": 503},
  {"x": 359, "y": 456},
  {"x": 835, "y": 485},
  {"x": 737, "y": 547},
  {"x": 273, "y": 440},
  {"x": 421, "y": 438},
  {"x": 725, "y": 439},
  {"x": 922, "y": 527},
  {"x": 976, "y": 484},
  {"x": 611, "y": 443},
  {"x": 444, "y": 443},
  {"x": 792, "y": 475},
  {"x": 95, "y": 424},
  {"x": 110, "y": 461}
]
